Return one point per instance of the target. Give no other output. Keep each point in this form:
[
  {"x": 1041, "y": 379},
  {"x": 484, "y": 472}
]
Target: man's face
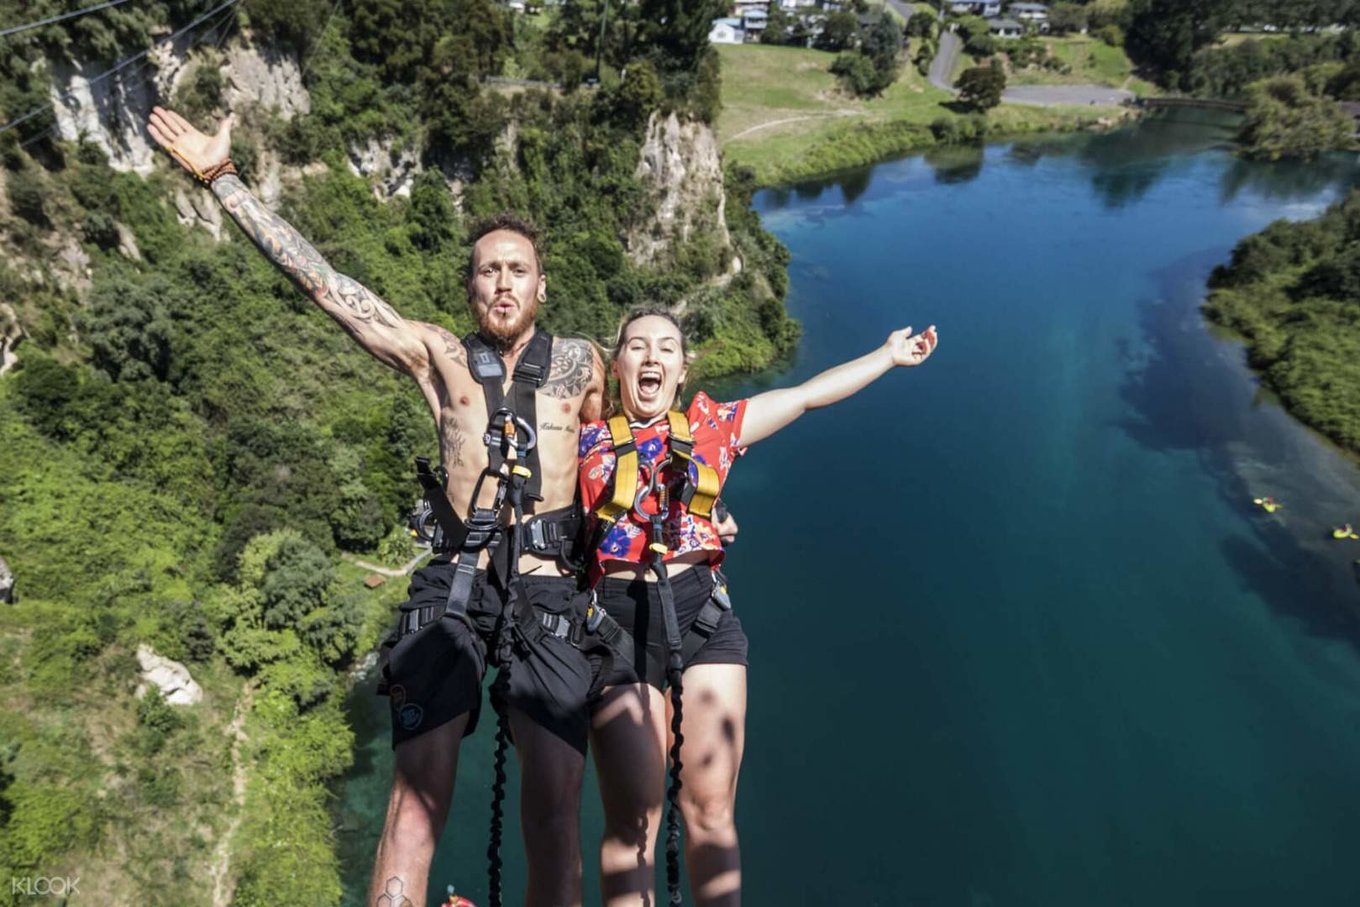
[{"x": 506, "y": 285}]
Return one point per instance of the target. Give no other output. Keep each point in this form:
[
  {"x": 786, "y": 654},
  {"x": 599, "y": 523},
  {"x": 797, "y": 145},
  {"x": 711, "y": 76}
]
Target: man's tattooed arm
[{"x": 368, "y": 319}]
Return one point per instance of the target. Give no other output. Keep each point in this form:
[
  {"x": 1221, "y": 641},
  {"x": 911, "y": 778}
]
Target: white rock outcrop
[
  {"x": 390, "y": 172},
  {"x": 170, "y": 677},
  {"x": 265, "y": 78},
  {"x": 681, "y": 166},
  {"x": 6, "y": 583},
  {"x": 112, "y": 111},
  {"x": 11, "y": 333}
]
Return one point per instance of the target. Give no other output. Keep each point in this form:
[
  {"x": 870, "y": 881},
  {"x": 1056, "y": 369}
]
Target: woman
[{"x": 653, "y": 571}]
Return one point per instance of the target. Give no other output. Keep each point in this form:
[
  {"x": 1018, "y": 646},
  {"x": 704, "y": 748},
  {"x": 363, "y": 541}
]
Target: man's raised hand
[{"x": 196, "y": 152}]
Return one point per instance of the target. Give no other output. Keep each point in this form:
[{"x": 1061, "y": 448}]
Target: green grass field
[
  {"x": 1093, "y": 62},
  {"x": 786, "y": 116}
]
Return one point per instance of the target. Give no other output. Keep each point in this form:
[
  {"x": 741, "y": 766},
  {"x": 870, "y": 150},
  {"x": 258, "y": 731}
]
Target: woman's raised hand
[
  {"x": 912, "y": 349},
  {"x": 195, "y": 151}
]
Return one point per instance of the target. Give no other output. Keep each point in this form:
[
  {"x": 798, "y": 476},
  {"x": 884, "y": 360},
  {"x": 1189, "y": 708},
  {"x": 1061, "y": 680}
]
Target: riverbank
[
  {"x": 1289, "y": 294},
  {"x": 786, "y": 118}
]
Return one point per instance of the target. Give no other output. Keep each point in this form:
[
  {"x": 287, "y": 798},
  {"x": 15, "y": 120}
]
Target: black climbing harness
[{"x": 511, "y": 439}]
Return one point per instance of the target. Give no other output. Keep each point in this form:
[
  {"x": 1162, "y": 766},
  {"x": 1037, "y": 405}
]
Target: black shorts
[
  {"x": 636, "y": 605},
  {"x": 435, "y": 674}
]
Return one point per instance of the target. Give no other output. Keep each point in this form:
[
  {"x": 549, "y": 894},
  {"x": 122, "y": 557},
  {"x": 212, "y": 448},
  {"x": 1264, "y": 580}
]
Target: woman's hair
[{"x": 647, "y": 312}]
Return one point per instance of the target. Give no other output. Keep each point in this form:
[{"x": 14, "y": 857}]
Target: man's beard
[{"x": 503, "y": 334}]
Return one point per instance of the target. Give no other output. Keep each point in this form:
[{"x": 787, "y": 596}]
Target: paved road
[
  {"x": 942, "y": 67},
  {"x": 1048, "y": 95},
  {"x": 905, "y": 10}
]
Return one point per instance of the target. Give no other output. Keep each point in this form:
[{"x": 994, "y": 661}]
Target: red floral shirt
[{"x": 715, "y": 428}]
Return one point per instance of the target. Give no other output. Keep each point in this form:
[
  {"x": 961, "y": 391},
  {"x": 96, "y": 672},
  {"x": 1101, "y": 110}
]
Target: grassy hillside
[
  {"x": 1090, "y": 61},
  {"x": 785, "y": 115}
]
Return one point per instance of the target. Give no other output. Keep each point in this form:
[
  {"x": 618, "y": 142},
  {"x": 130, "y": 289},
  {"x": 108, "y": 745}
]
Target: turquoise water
[{"x": 1018, "y": 636}]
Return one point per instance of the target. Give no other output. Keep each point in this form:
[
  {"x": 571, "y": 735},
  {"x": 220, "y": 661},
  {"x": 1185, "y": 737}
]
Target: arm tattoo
[
  {"x": 352, "y": 303},
  {"x": 572, "y": 366},
  {"x": 452, "y": 345}
]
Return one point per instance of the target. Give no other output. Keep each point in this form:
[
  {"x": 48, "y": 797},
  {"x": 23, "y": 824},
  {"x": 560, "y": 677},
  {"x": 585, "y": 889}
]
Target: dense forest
[
  {"x": 1293, "y": 291},
  {"x": 189, "y": 452}
]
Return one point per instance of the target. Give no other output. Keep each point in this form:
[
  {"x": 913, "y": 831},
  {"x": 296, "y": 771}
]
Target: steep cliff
[{"x": 682, "y": 170}]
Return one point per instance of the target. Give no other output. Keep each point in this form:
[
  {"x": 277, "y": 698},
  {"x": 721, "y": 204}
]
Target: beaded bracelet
[{"x": 223, "y": 168}]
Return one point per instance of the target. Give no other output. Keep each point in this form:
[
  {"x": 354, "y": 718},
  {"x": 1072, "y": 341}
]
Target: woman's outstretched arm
[{"x": 767, "y": 413}]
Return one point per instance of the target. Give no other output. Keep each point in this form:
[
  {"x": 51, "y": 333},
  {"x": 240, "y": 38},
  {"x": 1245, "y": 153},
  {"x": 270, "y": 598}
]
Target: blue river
[{"x": 1018, "y": 634}]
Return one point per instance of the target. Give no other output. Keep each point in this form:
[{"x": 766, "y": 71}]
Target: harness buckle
[
  {"x": 561, "y": 626},
  {"x": 595, "y": 616}
]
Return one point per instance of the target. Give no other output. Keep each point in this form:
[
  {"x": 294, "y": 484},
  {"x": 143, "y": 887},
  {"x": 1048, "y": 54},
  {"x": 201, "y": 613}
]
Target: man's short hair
[{"x": 512, "y": 223}]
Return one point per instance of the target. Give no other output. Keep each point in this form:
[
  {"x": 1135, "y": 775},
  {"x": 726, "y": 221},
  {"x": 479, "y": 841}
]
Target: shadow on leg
[
  {"x": 714, "y": 725},
  {"x": 422, "y": 792},
  {"x": 628, "y": 735},
  {"x": 550, "y": 812}
]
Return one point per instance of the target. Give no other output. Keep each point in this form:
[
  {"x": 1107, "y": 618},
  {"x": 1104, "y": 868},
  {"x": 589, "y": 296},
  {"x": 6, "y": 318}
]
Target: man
[{"x": 436, "y": 668}]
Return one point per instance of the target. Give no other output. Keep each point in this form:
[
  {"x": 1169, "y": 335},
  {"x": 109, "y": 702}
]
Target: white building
[
  {"x": 1028, "y": 12},
  {"x": 987, "y": 8},
  {"x": 726, "y": 31},
  {"x": 753, "y": 23},
  {"x": 1006, "y": 28}
]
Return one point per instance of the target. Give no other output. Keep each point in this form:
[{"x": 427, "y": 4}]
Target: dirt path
[
  {"x": 810, "y": 116},
  {"x": 223, "y": 884}
]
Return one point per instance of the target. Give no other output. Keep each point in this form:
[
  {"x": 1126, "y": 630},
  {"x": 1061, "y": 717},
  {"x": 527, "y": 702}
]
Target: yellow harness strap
[
  {"x": 626, "y": 469},
  {"x": 705, "y": 490},
  {"x": 625, "y": 472}
]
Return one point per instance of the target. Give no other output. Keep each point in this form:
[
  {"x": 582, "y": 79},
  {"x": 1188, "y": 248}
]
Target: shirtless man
[{"x": 436, "y": 669}]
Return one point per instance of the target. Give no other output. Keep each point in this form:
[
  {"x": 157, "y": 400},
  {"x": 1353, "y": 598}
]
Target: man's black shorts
[
  {"x": 435, "y": 674},
  {"x": 636, "y": 605}
]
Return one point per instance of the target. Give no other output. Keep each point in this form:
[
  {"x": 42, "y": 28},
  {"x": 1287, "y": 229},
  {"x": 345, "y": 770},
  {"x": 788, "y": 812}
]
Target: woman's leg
[
  {"x": 713, "y": 720},
  {"x": 627, "y": 733}
]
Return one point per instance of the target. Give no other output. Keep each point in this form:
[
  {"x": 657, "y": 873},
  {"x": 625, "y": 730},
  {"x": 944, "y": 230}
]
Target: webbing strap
[
  {"x": 699, "y": 496},
  {"x": 530, "y": 372},
  {"x": 625, "y": 472}
]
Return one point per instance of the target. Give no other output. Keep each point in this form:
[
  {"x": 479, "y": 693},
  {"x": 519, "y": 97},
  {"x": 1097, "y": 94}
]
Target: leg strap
[{"x": 718, "y": 604}]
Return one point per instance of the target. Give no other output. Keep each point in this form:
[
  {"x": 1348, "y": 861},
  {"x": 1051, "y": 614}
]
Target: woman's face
[{"x": 650, "y": 366}]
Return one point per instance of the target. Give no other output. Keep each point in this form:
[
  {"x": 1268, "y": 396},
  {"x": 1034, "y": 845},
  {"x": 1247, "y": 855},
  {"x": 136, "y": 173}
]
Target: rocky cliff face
[
  {"x": 681, "y": 165},
  {"x": 11, "y": 332},
  {"x": 112, "y": 112}
]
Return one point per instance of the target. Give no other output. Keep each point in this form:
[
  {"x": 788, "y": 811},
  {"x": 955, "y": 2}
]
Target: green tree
[
  {"x": 839, "y": 31},
  {"x": 921, "y": 24},
  {"x": 676, "y": 31},
  {"x": 1284, "y": 120},
  {"x": 777, "y": 27},
  {"x": 1064, "y": 18},
  {"x": 856, "y": 72},
  {"x": 980, "y": 87},
  {"x": 130, "y": 328},
  {"x": 1165, "y": 34}
]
